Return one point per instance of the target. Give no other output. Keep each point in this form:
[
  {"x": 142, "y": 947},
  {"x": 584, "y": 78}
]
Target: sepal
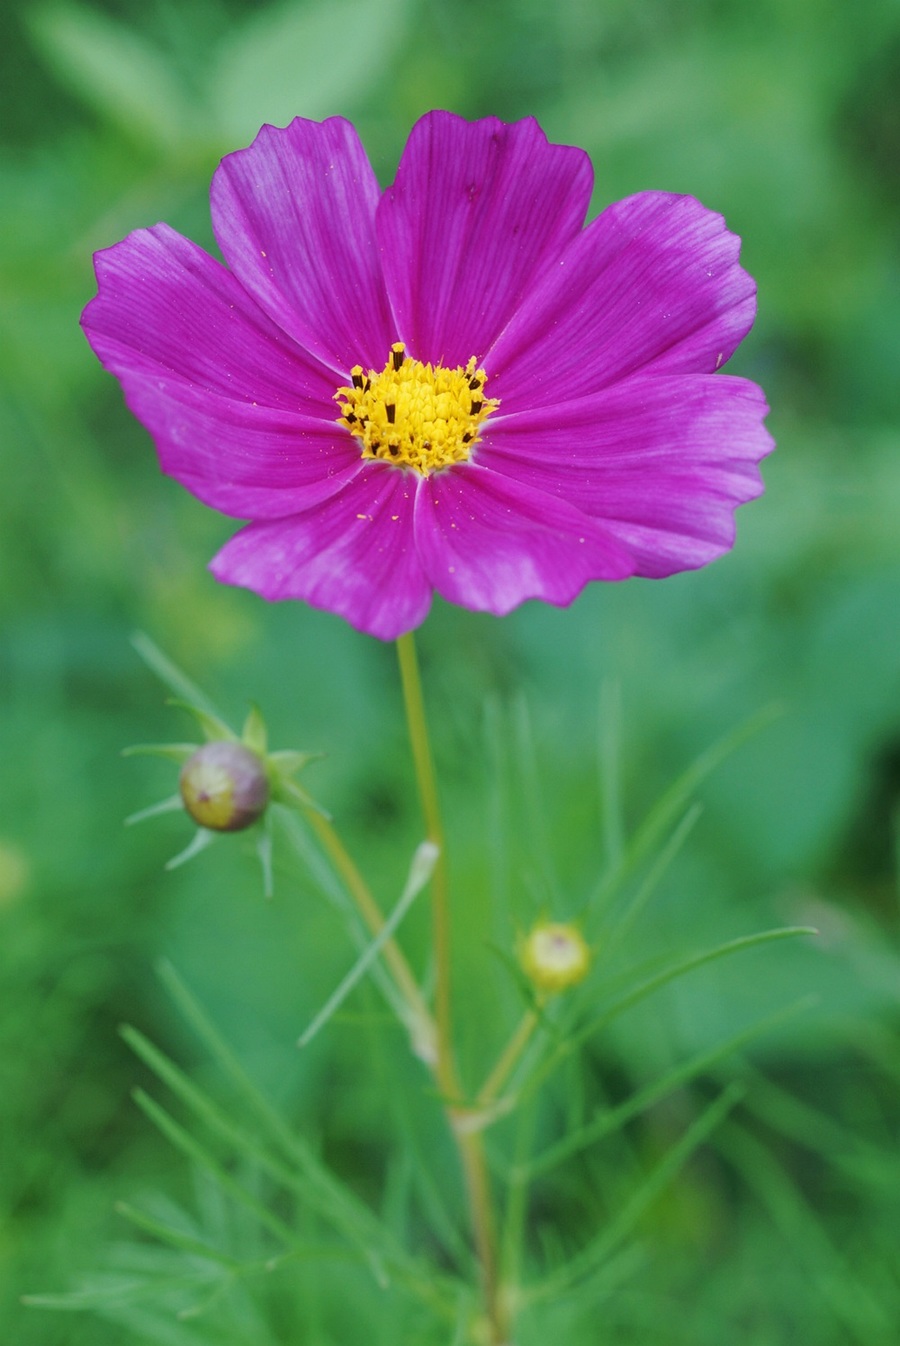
[
  {"x": 177, "y": 752},
  {"x": 254, "y": 735},
  {"x": 215, "y": 730},
  {"x": 227, "y": 783}
]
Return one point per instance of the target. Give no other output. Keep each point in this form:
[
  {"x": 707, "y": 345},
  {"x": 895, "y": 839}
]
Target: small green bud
[
  {"x": 554, "y": 957},
  {"x": 225, "y": 786}
]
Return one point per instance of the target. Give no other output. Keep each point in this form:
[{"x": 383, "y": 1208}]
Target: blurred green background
[{"x": 785, "y": 116}]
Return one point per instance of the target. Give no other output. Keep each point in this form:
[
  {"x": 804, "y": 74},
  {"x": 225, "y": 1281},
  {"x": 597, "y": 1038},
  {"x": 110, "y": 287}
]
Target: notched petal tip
[
  {"x": 293, "y": 214},
  {"x": 477, "y": 210}
]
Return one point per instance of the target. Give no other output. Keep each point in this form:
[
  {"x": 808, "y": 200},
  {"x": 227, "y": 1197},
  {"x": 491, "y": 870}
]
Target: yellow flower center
[{"x": 412, "y": 415}]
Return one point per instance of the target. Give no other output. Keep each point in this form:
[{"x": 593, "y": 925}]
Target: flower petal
[
  {"x": 240, "y": 415},
  {"x": 248, "y": 461},
  {"x": 652, "y": 283},
  {"x": 294, "y": 216},
  {"x": 353, "y": 555},
  {"x": 489, "y": 543},
  {"x": 476, "y": 211},
  {"x": 663, "y": 461},
  {"x": 164, "y": 305}
]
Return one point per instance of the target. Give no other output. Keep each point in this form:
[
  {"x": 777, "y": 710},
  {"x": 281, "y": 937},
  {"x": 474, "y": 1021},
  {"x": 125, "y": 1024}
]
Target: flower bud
[
  {"x": 224, "y": 786},
  {"x": 554, "y": 957}
]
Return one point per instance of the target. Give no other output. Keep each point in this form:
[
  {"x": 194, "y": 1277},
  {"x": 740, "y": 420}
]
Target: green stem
[
  {"x": 440, "y": 904},
  {"x": 509, "y": 1058},
  {"x": 469, "y": 1143},
  {"x": 421, "y": 1025},
  {"x": 478, "y": 1191}
]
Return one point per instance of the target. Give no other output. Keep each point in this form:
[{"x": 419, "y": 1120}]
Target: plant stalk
[
  {"x": 422, "y": 1026},
  {"x": 440, "y": 904},
  {"x": 509, "y": 1058},
  {"x": 470, "y": 1144}
]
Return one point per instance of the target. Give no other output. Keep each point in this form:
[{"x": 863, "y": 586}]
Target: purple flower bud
[{"x": 225, "y": 786}]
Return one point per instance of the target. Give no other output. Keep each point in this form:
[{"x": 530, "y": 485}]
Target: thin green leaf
[
  {"x": 610, "y": 773},
  {"x": 202, "y": 838},
  {"x": 254, "y": 733},
  {"x": 116, "y": 1290},
  {"x": 420, "y": 872},
  {"x": 174, "y": 804},
  {"x": 288, "y": 761},
  {"x": 806, "y": 1238},
  {"x": 215, "y": 730},
  {"x": 513, "y": 968},
  {"x": 314, "y": 1183},
  {"x": 297, "y": 833},
  {"x": 174, "y": 1238},
  {"x": 654, "y": 877},
  {"x": 178, "y": 683},
  {"x": 512, "y": 1240},
  {"x": 182, "y": 1242},
  {"x": 675, "y": 800},
  {"x": 264, "y": 851},
  {"x": 671, "y": 972},
  {"x": 813, "y": 1129},
  {"x": 178, "y": 752},
  {"x": 219, "y": 1122},
  {"x": 190, "y": 1147},
  {"x": 598, "y": 1251},
  {"x": 157, "y": 1325},
  {"x": 644, "y": 1098},
  {"x": 202, "y": 1025},
  {"x": 535, "y": 807},
  {"x": 290, "y": 793}
]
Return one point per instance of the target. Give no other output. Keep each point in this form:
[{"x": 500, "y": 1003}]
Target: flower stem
[
  {"x": 478, "y": 1190},
  {"x": 440, "y": 905},
  {"x": 422, "y": 1028},
  {"x": 509, "y": 1057},
  {"x": 470, "y": 1145}
]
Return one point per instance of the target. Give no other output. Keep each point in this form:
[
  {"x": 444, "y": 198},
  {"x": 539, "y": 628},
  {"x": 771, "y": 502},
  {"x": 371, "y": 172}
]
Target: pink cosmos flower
[{"x": 451, "y": 385}]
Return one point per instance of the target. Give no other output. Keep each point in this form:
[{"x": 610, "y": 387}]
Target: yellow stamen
[{"x": 415, "y": 415}]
